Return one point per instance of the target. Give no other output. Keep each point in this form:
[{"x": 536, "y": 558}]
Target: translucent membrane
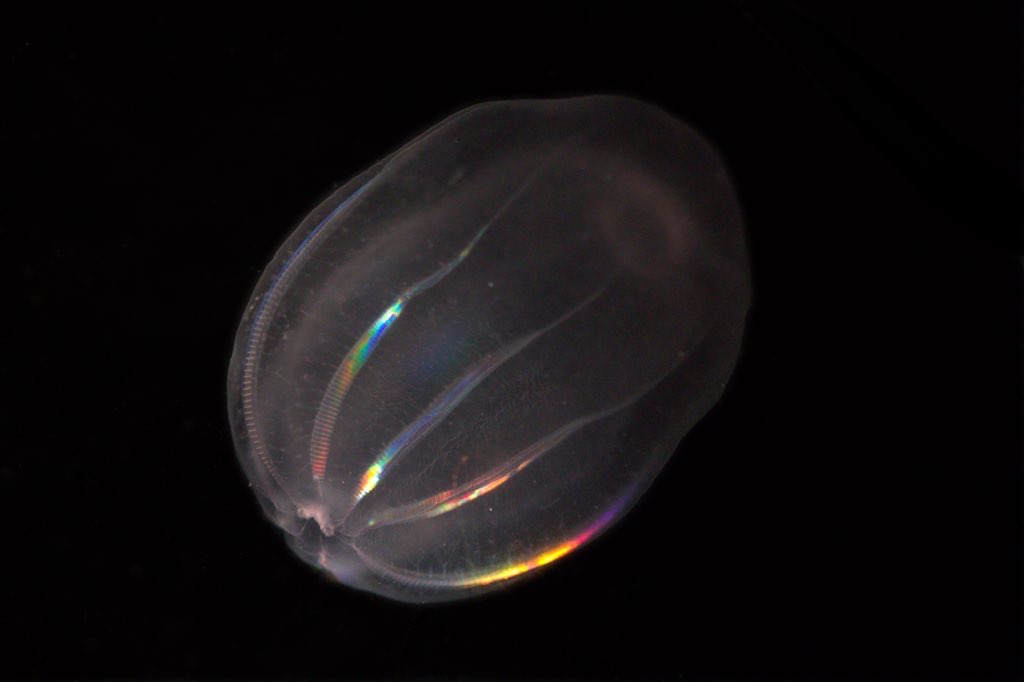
[{"x": 475, "y": 356}]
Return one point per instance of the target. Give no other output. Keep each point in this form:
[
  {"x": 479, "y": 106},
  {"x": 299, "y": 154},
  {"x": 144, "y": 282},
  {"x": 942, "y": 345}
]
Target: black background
[{"x": 851, "y": 508}]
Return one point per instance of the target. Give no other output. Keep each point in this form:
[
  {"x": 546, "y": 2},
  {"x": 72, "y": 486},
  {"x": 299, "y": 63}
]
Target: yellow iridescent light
[
  {"x": 518, "y": 569},
  {"x": 479, "y": 579}
]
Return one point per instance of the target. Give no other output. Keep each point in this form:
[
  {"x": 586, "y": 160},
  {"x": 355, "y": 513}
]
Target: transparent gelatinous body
[{"x": 475, "y": 356}]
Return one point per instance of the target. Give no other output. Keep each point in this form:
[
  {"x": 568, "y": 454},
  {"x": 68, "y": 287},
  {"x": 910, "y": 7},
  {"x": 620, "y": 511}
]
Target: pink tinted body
[{"x": 476, "y": 355}]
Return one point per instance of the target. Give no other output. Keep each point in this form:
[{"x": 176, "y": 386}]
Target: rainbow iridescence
[
  {"x": 330, "y": 406},
  {"x": 254, "y": 347},
  {"x": 350, "y": 366},
  {"x": 472, "y": 358},
  {"x": 442, "y": 406},
  {"x": 455, "y": 497},
  {"x": 509, "y": 569}
]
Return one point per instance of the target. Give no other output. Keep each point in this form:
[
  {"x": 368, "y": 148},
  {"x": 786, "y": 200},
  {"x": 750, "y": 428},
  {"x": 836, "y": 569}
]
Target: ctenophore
[{"x": 476, "y": 355}]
